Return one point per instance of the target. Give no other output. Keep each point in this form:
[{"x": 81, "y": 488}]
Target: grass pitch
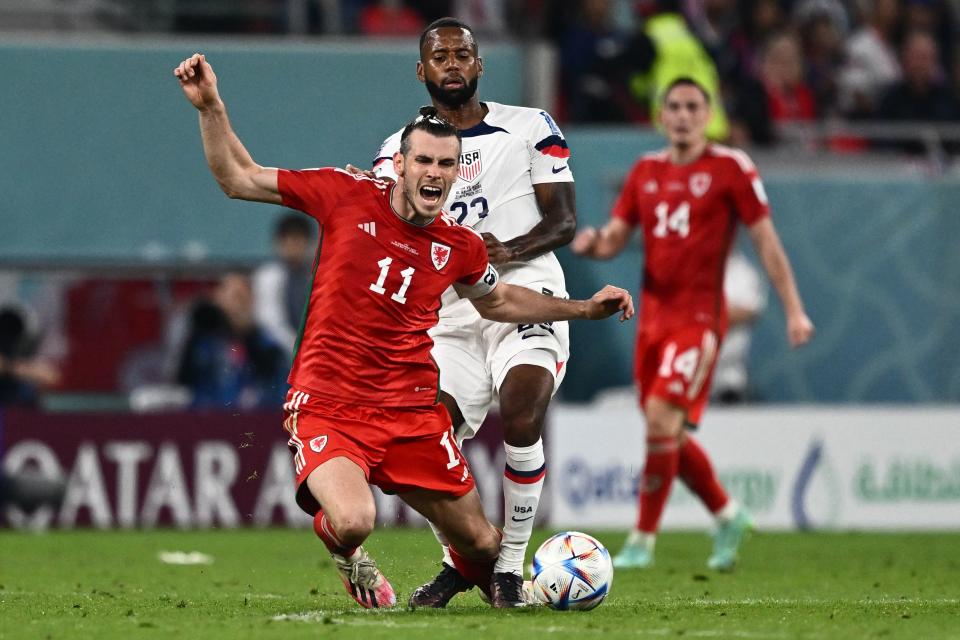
[{"x": 280, "y": 584}]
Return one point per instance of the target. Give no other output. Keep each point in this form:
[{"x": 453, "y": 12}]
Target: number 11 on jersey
[{"x": 406, "y": 274}]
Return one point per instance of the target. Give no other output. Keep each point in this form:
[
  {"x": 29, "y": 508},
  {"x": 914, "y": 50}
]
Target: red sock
[
  {"x": 698, "y": 474},
  {"x": 325, "y": 531},
  {"x": 658, "y": 473},
  {"x": 479, "y": 572}
]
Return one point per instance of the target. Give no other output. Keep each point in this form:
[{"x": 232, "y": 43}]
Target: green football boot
[
  {"x": 727, "y": 540},
  {"x": 636, "y": 553}
]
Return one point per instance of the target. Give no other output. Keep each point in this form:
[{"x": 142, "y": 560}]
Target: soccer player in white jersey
[{"x": 515, "y": 187}]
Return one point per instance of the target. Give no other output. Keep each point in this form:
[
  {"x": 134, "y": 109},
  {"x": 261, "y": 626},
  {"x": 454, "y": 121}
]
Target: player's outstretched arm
[
  {"x": 509, "y": 303},
  {"x": 235, "y": 171},
  {"x": 603, "y": 243},
  {"x": 775, "y": 262}
]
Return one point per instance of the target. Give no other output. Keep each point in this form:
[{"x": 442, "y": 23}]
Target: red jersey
[
  {"x": 689, "y": 215},
  {"x": 376, "y": 290}
]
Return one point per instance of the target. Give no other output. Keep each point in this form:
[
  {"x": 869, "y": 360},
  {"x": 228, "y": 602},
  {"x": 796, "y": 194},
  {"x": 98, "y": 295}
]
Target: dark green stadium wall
[
  {"x": 100, "y": 159},
  {"x": 100, "y": 154}
]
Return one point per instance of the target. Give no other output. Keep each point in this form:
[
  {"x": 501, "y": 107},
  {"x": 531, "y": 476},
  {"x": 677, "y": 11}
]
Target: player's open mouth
[{"x": 431, "y": 194}]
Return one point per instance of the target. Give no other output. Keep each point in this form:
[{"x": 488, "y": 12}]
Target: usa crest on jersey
[
  {"x": 470, "y": 165},
  {"x": 439, "y": 254}
]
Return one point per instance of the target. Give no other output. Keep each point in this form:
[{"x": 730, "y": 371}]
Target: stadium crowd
[
  {"x": 773, "y": 62},
  {"x": 770, "y": 62}
]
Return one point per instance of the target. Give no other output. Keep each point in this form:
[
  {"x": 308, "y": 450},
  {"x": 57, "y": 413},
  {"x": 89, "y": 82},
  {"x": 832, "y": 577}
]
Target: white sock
[
  {"x": 356, "y": 555},
  {"x": 522, "y": 486},
  {"x": 727, "y": 512},
  {"x": 442, "y": 539}
]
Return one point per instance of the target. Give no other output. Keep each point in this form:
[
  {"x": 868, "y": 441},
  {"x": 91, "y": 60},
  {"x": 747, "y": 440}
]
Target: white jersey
[{"x": 512, "y": 149}]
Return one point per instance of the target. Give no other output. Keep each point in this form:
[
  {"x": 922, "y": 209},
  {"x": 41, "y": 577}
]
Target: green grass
[{"x": 279, "y": 584}]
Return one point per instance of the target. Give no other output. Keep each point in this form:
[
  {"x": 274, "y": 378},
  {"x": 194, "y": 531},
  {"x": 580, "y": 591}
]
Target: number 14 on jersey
[{"x": 677, "y": 222}]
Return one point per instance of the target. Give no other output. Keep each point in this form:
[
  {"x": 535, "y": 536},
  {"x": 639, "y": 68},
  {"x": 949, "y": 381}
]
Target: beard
[
  {"x": 452, "y": 98},
  {"x": 409, "y": 193}
]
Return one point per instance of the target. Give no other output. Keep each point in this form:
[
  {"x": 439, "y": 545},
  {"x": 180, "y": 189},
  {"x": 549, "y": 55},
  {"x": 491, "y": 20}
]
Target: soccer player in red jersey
[
  {"x": 362, "y": 408},
  {"x": 688, "y": 200},
  {"x": 515, "y": 187}
]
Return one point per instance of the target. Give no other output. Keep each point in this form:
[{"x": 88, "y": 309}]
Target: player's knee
[
  {"x": 522, "y": 428},
  {"x": 662, "y": 426},
  {"x": 354, "y": 527}
]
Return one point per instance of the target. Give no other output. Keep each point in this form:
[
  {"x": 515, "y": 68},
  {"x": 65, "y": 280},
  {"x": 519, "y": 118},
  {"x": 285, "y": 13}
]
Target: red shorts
[
  {"x": 399, "y": 448},
  {"x": 677, "y": 366}
]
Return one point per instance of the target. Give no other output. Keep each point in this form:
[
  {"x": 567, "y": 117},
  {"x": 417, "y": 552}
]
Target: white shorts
[{"x": 474, "y": 358}]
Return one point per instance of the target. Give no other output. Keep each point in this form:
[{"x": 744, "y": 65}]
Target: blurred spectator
[
  {"x": 593, "y": 61},
  {"x": 228, "y": 361},
  {"x": 935, "y": 17},
  {"x": 823, "y": 53},
  {"x": 872, "y": 63},
  {"x": 788, "y": 96},
  {"x": 534, "y": 19},
  {"x": 832, "y": 10},
  {"x": 678, "y": 53},
  {"x": 759, "y": 20},
  {"x": 780, "y": 95},
  {"x": 715, "y": 22},
  {"x": 746, "y": 296},
  {"x": 390, "y": 18},
  {"x": 244, "y": 16},
  {"x": 431, "y": 10},
  {"x": 281, "y": 286},
  {"x": 485, "y": 17},
  {"x": 923, "y": 93},
  {"x": 23, "y": 372}
]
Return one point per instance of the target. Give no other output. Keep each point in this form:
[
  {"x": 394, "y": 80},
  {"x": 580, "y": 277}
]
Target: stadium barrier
[
  {"x": 184, "y": 470},
  {"x": 809, "y": 467},
  {"x": 823, "y": 467}
]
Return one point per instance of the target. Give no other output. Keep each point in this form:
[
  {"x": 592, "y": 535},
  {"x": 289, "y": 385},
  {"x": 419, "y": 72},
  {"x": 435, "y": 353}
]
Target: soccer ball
[{"x": 572, "y": 570}]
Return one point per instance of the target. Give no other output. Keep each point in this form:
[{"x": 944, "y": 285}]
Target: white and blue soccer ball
[{"x": 572, "y": 570}]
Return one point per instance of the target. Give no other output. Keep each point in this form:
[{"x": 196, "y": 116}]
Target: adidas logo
[{"x": 369, "y": 227}]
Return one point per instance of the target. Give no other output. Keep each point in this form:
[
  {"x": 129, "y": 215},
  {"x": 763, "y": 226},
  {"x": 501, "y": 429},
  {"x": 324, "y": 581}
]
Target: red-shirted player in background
[
  {"x": 688, "y": 200},
  {"x": 363, "y": 407}
]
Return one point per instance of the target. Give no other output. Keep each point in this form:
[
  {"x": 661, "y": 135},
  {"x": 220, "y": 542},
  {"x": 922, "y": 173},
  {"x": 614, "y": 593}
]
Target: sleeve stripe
[
  {"x": 556, "y": 152},
  {"x": 551, "y": 141},
  {"x": 742, "y": 159}
]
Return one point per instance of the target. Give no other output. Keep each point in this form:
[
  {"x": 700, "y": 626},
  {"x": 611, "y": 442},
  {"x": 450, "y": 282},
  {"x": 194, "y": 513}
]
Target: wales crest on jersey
[
  {"x": 470, "y": 166},
  {"x": 699, "y": 183},
  {"x": 440, "y": 254}
]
